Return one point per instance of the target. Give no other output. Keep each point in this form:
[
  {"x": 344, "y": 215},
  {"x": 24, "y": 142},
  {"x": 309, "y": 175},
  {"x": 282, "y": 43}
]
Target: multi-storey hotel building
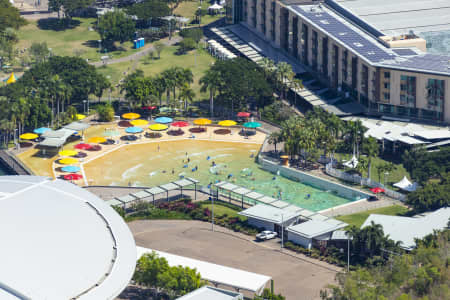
[{"x": 390, "y": 56}]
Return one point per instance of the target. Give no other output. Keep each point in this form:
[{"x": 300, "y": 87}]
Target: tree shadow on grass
[{"x": 56, "y": 24}]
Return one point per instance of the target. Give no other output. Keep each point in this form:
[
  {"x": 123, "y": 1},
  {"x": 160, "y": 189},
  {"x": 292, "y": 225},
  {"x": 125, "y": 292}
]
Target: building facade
[{"x": 387, "y": 75}]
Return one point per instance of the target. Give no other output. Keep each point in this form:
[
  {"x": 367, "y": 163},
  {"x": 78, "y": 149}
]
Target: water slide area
[{"x": 144, "y": 165}]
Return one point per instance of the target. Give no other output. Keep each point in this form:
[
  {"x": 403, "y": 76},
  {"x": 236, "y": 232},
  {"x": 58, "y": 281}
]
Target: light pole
[
  {"x": 386, "y": 174},
  {"x": 348, "y": 254},
  {"x": 212, "y": 211},
  {"x": 84, "y": 106}
]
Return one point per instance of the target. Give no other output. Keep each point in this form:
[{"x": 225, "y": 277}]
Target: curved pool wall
[{"x": 305, "y": 178}]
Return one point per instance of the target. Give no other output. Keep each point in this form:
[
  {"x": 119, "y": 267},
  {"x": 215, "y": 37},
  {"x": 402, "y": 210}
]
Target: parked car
[{"x": 266, "y": 235}]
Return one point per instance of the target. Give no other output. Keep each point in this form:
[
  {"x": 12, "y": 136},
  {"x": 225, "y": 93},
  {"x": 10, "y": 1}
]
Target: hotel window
[
  {"x": 387, "y": 96},
  {"x": 387, "y": 85},
  {"x": 435, "y": 93},
  {"x": 387, "y": 75}
]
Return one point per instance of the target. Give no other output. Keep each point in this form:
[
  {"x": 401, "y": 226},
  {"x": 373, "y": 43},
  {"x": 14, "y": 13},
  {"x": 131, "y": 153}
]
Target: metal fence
[{"x": 363, "y": 181}]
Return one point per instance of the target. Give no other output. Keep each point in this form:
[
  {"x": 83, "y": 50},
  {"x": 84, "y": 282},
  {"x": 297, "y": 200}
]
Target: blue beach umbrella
[
  {"x": 163, "y": 120},
  {"x": 70, "y": 169},
  {"x": 133, "y": 129},
  {"x": 41, "y": 130}
]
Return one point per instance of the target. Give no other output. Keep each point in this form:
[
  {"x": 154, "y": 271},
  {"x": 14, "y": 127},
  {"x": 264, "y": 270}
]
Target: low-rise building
[
  {"x": 407, "y": 229},
  {"x": 307, "y": 233},
  {"x": 212, "y": 293}
]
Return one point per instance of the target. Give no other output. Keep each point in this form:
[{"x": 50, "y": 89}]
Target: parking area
[{"x": 295, "y": 278}]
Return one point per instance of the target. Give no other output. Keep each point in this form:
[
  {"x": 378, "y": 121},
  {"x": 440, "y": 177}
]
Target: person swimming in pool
[
  {"x": 213, "y": 164},
  {"x": 173, "y": 171},
  {"x": 208, "y": 158},
  {"x": 308, "y": 196}
]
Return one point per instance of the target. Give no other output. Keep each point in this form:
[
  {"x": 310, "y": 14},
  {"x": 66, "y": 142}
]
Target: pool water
[{"x": 144, "y": 165}]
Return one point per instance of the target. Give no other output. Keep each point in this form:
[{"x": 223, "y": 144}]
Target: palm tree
[
  {"x": 160, "y": 87},
  {"x": 268, "y": 66},
  {"x": 187, "y": 95},
  {"x": 362, "y": 166},
  {"x": 274, "y": 138},
  {"x": 284, "y": 76},
  {"x": 371, "y": 148},
  {"x": 296, "y": 85},
  {"x": 210, "y": 81}
]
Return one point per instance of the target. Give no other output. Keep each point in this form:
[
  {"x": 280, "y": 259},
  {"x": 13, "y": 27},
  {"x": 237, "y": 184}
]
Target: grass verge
[{"x": 359, "y": 218}]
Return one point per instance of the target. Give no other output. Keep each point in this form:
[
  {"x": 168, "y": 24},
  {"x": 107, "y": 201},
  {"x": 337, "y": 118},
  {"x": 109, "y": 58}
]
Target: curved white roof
[{"x": 59, "y": 241}]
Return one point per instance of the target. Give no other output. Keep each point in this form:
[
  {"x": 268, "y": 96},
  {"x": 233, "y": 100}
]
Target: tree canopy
[
  {"x": 10, "y": 16},
  {"x": 422, "y": 274},
  {"x": 116, "y": 26},
  {"x": 154, "y": 272},
  {"x": 149, "y": 9}
]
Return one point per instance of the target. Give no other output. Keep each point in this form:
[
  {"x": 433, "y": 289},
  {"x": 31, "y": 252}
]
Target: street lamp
[
  {"x": 212, "y": 211},
  {"x": 282, "y": 229},
  {"x": 84, "y": 106},
  {"x": 385, "y": 175}
]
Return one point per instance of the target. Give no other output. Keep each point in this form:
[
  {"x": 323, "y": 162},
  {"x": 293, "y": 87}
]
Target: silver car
[{"x": 266, "y": 235}]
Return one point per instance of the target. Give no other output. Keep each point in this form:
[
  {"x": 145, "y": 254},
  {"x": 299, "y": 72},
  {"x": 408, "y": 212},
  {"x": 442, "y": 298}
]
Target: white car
[{"x": 266, "y": 235}]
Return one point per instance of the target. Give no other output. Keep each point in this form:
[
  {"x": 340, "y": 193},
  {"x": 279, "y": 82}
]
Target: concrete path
[{"x": 137, "y": 55}]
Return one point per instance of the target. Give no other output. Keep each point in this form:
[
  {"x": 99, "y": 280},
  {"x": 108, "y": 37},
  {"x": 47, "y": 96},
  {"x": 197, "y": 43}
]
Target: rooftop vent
[
  {"x": 342, "y": 33},
  {"x": 358, "y": 44},
  {"x": 324, "y": 22}
]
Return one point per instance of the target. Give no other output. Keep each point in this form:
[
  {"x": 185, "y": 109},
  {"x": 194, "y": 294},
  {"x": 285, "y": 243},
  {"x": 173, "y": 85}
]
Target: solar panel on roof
[{"x": 404, "y": 51}]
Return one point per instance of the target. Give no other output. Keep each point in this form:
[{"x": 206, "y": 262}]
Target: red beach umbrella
[
  {"x": 243, "y": 114},
  {"x": 73, "y": 176},
  {"x": 83, "y": 146},
  {"x": 377, "y": 190},
  {"x": 180, "y": 124},
  {"x": 148, "y": 107}
]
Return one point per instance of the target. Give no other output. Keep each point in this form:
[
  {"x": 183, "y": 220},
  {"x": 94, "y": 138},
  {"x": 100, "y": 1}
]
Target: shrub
[
  {"x": 105, "y": 113},
  {"x": 186, "y": 45},
  {"x": 194, "y": 33}
]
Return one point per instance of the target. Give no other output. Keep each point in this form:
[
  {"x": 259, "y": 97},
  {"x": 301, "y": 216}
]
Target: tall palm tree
[
  {"x": 274, "y": 138},
  {"x": 268, "y": 67},
  {"x": 210, "y": 81},
  {"x": 371, "y": 148},
  {"x": 284, "y": 76},
  {"x": 187, "y": 95},
  {"x": 296, "y": 85}
]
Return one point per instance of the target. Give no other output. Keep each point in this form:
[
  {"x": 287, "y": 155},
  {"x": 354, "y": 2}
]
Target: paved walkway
[{"x": 137, "y": 55}]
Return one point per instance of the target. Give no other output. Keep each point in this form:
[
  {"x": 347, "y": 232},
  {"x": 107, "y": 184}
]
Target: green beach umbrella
[{"x": 252, "y": 125}]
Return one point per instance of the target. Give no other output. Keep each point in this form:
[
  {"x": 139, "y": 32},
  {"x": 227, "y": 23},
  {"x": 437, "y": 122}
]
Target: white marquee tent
[{"x": 406, "y": 185}]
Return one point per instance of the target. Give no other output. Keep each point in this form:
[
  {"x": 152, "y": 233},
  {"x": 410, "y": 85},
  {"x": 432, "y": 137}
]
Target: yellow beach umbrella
[
  {"x": 131, "y": 116},
  {"x": 97, "y": 140},
  {"x": 11, "y": 79},
  {"x": 227, "y": 123},
  {"x": 80, "y": 116},
  {"x": 202, "y": 121},
  {"x": 68, "y": 153},
  {"x": 158, "y": 127},
  {"x": 139, "y": 122},
  {"x": 28, "y": 136},
  {"x": 68, "y": 161}
]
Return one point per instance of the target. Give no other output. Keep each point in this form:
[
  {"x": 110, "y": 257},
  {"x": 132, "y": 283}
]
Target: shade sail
[
  {"x": 139, "y": 122},
  {"x": 111, "y": 133},
  {"x": 68, "y": 161},
  {"x": 158, "y": 127},
  {"x": 252, "y": 125},
  {"x": 83, "y": 146},
  {"x": 406, "y": 185},
  {"x": 163, "y": 120},
  {"x": 243, "y": 114},
  {"x": 97, "y": 140},
  {"x": 41, "y": 130},
  {"x": 68, "y": 153},
  {"x": 202, "y": 121},
  {"x": 28, "y": 136},
  {"x": 70, "y": 169},
  {"x": 134, "y": 130},
  {"x": 131, "y": 116},
  {"x": 180, "y": 124},
  {"x": 227, "y": 123}
]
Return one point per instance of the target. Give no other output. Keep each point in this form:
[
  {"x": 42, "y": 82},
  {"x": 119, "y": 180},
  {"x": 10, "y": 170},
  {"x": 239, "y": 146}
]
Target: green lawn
[
  {"x": 187, "y": 9},
  {"x": 220, "y": 210},
  {"x": 359, "y": 218},
  {"x": 197, "y": 60},
  {"x": 67, "y": 42},
  {"x": 393, "y": 177}
]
